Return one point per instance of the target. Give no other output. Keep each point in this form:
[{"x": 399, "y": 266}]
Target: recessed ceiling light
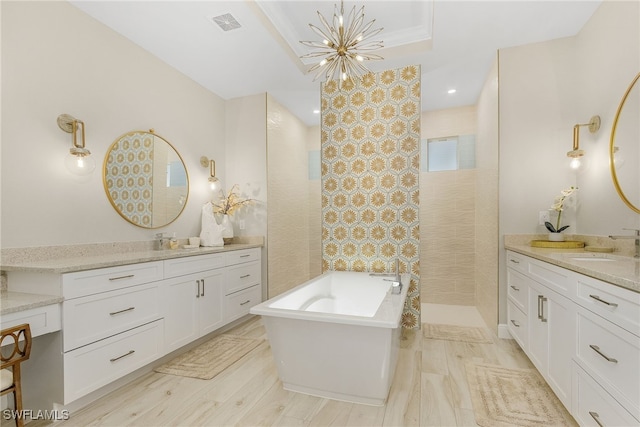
[
  {"x": 451, "y": 91},
  {"x": 316, "y": 111}
]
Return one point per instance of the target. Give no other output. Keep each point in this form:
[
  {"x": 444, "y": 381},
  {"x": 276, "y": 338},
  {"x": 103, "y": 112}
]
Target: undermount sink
[{"x": 591, "y": 259}]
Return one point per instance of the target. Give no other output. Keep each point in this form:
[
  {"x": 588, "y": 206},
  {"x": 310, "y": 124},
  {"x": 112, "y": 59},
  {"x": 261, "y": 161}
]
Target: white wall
[
  {"x": 56, "y": 59},
  {"x": 545, "y": 89},
  {"x": 246, "y": 153},
  {"x": 486, "y": 220},
  {"x": 607, "y": 59}
]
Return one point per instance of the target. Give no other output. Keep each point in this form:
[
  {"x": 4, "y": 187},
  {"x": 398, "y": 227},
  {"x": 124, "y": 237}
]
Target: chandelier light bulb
[{"x": 359, "y": 58}]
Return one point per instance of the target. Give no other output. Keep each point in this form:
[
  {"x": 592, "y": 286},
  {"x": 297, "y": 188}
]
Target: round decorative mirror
[
  {"x": 145, "y": 179},
  {"x": 624, "y": 148}
]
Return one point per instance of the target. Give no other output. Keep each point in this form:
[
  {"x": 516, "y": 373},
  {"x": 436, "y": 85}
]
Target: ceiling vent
[{"x": 227, "y": 22}]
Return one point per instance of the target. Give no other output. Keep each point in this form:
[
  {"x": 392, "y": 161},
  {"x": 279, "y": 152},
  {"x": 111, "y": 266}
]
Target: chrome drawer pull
[
  {"x": 129, "y": 276},
  {"x": 516, "y": 324},
  {"x": 514, "y": 261},
  {"x": 121, "y": 311},
  {"x": 245, "y": 276},
  {"x": 124, "y": 355},
  {"x": 514, "y": 288},
  {"x": 202, "y": 293},
  {"x": 596, "y": 418},
  {"x": 246, "y": 302},
  {"x": 541, "y": 301},
  {"x": 197, "y": 288},
  {"x": 597, "y": 298},
  {"x": 597, "y": 350},
  {"x": 244, "y": 256}
]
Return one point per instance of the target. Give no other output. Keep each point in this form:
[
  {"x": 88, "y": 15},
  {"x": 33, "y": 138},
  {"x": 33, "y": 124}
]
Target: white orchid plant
[{"x": 558, "y": 206}]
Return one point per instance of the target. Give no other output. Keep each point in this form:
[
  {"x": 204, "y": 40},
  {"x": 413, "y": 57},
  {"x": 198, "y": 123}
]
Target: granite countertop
[
  {"x": 623, "y": 271},
  {"x": 12, "y": 302},
  {"x": 81, "y": 263}
]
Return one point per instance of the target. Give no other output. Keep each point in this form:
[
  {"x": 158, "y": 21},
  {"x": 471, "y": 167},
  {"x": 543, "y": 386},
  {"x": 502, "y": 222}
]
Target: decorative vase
[
  {"x": 556, "y": 237},
  {"x": 227, "y": 229}
]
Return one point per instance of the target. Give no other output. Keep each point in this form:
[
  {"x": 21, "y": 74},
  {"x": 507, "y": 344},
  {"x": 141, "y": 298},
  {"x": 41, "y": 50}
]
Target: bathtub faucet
[{"x": 396, "y": 286}]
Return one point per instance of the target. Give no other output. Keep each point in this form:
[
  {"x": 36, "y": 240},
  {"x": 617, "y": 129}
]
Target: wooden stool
[{"x": 18, "y": 343}]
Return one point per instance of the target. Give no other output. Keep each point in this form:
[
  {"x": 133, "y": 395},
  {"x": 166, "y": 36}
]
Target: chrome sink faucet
[
  {"x": 636, "y": 237},
  {"x": 160, "y": 241}
]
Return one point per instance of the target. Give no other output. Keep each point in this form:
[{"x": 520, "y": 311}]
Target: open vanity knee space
[
  {"x": 122, "y": 313},
  {"x": 579, "y": 323}
]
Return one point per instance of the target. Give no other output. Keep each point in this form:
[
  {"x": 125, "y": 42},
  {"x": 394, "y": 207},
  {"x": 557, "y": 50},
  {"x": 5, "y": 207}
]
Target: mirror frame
[
  {"x": 108, "y": 193},
  {"x": 614, "y": 175}
]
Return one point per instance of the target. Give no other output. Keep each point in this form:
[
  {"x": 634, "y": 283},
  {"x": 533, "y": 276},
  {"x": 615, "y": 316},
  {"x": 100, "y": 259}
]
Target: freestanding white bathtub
[{"x": 337, "y": 335}]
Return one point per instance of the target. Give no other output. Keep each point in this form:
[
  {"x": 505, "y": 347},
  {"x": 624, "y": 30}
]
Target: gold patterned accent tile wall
[{"x": 370, "y": 134}]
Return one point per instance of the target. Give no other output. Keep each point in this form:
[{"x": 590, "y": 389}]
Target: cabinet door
[
  {"x": 562, "y": 344},
  {"x": 181, "y": 311},
  {"x": 210, "y": 301},
  {"x": 552, "y": 338},
  {"x": 538, "y": 327}
]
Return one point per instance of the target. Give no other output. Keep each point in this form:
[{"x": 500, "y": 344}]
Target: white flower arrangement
[{"x": 558, "y": 206}]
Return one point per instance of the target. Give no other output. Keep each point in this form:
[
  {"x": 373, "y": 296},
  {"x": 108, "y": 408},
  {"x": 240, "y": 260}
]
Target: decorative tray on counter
[{"x": 569, "y": 244}]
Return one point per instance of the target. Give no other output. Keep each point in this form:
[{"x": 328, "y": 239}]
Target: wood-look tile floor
[{"x": 429, "y": 389}]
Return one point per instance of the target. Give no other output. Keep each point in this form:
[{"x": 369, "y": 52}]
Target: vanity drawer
[
  {"x": 90, "y": 282},
  {"x": 245, "y": 255},
  {"x": 518, "y": 289},
  {"x": 242, "y": 276},
  {"x": 611, "y": 355},
  {"x": 554, "y": 277},
  {"x": 93, "y": 366},
  {"x": 593, "y": 406},
  {"x": 620, "y": 306},
  {"x": 193, "y": 264},
  {"x": 238, "y": 304},
  {"x": 92, "y": 318},
  {"x": 518, "y": 325},
  {"x": 517, "y": 262}
]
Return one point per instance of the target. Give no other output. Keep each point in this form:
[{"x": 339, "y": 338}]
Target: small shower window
[{"x": 450, "y": 153}]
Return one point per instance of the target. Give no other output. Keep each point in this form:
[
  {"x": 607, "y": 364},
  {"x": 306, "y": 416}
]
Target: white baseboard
[{"x": 503, "y": 332}]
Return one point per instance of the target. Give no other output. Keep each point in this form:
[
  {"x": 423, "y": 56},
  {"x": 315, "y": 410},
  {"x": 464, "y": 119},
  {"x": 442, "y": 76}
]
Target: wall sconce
[
  {"x": 79, "y": 160},
  {"x": 214, "y": 182},
  {"x": 576, "y": 154}
]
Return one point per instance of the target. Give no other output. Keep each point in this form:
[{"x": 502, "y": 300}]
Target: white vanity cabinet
[
  {"x": 551, "y": 343},
  {"x": 111, "y": 323},
  {"x": 242, "y": 288},
  {"x": 120, "y": 318},
  {"x": 193, "y": 304},
  {"x": 582, "y": 334},
  {"x": 540, "y": 319}
]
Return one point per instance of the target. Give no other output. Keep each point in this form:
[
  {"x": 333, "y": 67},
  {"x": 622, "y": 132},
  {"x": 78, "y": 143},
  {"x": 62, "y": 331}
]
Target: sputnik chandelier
[{"x": 343, "y": 48}]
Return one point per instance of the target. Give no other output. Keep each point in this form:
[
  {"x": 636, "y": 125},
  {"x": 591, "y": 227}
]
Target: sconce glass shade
[
  {"x": 214, "y": 182},
  {"x": 578, "y": 161},
  {"x": 79, "y": 161}
]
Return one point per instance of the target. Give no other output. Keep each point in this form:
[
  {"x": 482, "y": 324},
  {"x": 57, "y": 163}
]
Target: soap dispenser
[{"x": 173, "y": 242}]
